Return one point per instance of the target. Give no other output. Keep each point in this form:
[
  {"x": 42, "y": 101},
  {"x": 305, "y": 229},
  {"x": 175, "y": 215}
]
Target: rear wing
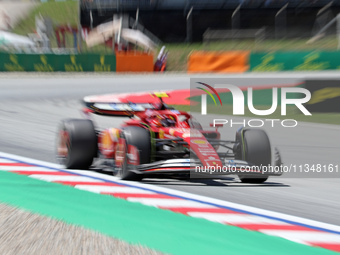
[
  {"x": 120, "y": 104},
  {"x": 116, "y": 109}
]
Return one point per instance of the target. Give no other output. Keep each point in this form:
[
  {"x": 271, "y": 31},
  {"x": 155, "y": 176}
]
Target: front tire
[
  {"x": 256, "y": 150},
  {"x": 76, "y": 143},
  {"x": 140, "y": 138}
]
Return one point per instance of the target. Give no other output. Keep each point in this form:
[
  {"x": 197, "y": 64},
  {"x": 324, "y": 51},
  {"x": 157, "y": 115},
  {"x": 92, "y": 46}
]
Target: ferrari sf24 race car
[{"x": 158, "y": 140}]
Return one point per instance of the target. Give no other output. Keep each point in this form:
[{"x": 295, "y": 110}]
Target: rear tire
[
  {"x": 140, "y": 138},
  {"x": 76, "y": 143},
  {"x": 256, "y": 150}
]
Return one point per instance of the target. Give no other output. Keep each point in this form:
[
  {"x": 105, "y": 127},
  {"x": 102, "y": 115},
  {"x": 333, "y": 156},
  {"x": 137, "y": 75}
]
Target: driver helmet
[
  {"x": 155, "y": 122},
  {"x": 168, "y": 122},
  {"x": 162, "y": 121}
]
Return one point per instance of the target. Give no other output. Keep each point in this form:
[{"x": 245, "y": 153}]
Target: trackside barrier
[
  {"x": 222, "y": 62},
  {"x": 294, "y": 61},
  {"x": 241, "y": 61},
  {"x": 57, "y": 63},
  {"x": 134, "y": 62}
]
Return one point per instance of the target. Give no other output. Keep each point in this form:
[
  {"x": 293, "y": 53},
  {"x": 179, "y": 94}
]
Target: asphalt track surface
[{"x": 31, "y": 107}]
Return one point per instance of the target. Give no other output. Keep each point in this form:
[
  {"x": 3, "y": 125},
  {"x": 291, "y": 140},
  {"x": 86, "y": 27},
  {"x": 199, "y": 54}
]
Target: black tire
[
  {"x": 140, "y": 138},
  {"x": 257, "y": 151},
  {"x": 81, "y": 144}
]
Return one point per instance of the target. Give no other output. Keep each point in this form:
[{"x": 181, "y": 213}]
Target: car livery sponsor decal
[{"x": 199, "y": 141}]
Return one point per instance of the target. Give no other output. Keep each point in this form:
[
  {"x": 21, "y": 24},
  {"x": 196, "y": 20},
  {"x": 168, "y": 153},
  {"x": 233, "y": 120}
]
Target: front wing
[{"x": 231, "y": 167}]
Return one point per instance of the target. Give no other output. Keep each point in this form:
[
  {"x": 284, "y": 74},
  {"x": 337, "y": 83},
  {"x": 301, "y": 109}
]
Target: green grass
[{"x": 61, "y": 13}]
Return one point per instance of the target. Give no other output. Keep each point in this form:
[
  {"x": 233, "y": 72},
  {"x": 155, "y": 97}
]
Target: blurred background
[{"x": 169, "y": 30}]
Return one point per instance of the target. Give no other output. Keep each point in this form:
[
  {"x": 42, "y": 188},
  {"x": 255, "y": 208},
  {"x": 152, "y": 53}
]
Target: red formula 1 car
[{"x": 158, "y": 140}]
